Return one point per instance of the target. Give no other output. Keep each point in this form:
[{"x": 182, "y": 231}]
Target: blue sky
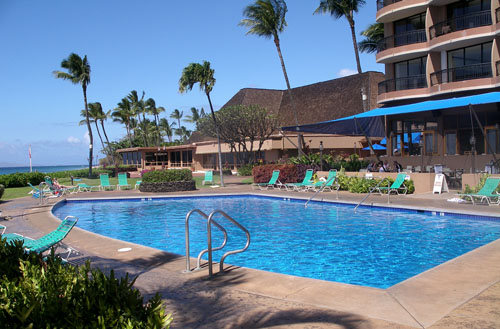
[{"x": 144, "y": 45}]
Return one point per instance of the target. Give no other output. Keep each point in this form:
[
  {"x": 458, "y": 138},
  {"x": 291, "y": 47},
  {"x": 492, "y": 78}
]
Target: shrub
[
  {"x": 81, "y": 173},
  {"x": 48, "y": 294},
  {"x": 173, "y": 175},
  {"x": 262, "y": 174},
  {"x": 2, "y": 189},
  {"x": 246, "y": 170}
]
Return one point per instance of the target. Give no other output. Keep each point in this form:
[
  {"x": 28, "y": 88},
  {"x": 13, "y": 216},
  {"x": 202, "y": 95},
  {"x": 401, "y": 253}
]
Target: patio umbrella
[{"x": 376, "y": 147}]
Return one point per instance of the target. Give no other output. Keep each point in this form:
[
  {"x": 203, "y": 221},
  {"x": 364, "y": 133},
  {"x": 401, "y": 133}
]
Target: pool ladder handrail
[
  {"x": 321, "y": 189},
  {"x": 373, "y": 189},
  {"x": 41, "y": 192},
  {"x": 198, "y": 262},
  {"x": 209, "y": 249}
]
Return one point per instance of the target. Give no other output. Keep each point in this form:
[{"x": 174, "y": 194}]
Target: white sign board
[{"x": 440, "y": 184}]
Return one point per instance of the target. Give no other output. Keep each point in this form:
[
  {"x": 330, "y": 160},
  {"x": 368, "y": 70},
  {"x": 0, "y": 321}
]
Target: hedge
[
  {"x": 34, "y": 178},
  {"x": 45, "y": 293},
  {"x": 2, "y": 189},
  {"x": 172, "y": 175}
]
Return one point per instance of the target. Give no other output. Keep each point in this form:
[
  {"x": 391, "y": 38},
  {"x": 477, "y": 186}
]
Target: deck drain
[{"x": 124, "y": 249}]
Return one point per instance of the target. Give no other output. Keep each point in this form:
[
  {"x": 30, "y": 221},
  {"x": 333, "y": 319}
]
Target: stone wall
[{"x": 168, "y": 186}]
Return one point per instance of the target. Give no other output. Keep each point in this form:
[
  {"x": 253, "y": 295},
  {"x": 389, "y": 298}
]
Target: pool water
[{"x": 375, "y": 247}]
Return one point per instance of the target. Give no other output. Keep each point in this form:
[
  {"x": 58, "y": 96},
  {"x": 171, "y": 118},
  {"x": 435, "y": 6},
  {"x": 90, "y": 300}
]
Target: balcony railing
[
  {"x": 382, "y": 3},
  {"x": 465, "y": 22},
  {"x": 402, "y": 39},
  {"x": 413, "y": 82},
  {"x": 462, "y": 73}
]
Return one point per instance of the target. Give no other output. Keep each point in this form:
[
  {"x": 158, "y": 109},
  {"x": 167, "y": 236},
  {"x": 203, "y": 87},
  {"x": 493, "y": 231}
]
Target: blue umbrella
[
  {"x": 415, "y": 138},
  {"x": 376, "y": 147}
]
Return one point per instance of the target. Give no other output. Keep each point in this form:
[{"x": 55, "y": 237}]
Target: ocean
[{"x": 43, "y": 169}]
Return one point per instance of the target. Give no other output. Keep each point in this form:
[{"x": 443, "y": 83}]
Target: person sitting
[
  {"x": 384, "y": 167},
  {"x": 371, "y": 166},
  {"x": 397, "y": 166}
]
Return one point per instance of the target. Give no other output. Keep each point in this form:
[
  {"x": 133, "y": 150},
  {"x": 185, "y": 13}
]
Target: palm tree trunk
[
  {"x": 219, "y": 151},
  {"x": 98, "y": 133},
  {"x": 294, "y": 107},
  {"x": 355, "y": 43},
  {"x": 145, "y": 130},
  {"x": 109, "y": 146},
  {"x": 128, "y": 134},
  {"x": 157, "y": 130},
  {"x": 91, "y": 139}
]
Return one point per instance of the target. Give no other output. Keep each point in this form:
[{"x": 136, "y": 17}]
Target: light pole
[
  {"x": 473, "y": 150},
  {"x": 321, "y": 154}
]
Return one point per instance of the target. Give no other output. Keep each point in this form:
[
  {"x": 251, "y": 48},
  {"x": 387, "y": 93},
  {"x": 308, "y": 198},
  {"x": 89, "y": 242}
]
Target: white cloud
[
  {"x": 73, "y": 140},
  {"x": 346, "y": 72},
  {"x": 86, "y": 137}
]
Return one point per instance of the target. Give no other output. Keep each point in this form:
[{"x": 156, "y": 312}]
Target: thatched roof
[{"x": 317, "y": 102}]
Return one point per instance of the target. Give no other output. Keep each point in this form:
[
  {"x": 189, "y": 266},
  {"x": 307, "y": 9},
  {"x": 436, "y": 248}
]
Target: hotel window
[
  {"x": 492, "y": 139},
  {"x": 450, "y": 142},
  {"x": 472, "y": 62},
  {"x": 410, "y": 74},
  {"x": 403, "y": 30},
  {"x": 430, "y": 143},
  {"x": 462, "y": 8}
]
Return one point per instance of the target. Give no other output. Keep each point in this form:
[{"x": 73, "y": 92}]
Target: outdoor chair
[
  {"x": 48, "y": 241},
  {"x": 82, "y": 187},
  {"x": 330, "y": 183},
  {"x": 305, "y": 183},
  {"x": 273, "y": 182},
  {"x": 486, "y": 193},
  {"x": 397, "y": 187},
  {"x": 104, "y": 178},
  {"x": 58, "y": 191},
  {"x": 35, "y": 191},
  {"x": 122, "y": 182},
  {"x": 209, "y": 177},
  {"x": 2, "y": 228},
  {"x": 137, "y": 184}
]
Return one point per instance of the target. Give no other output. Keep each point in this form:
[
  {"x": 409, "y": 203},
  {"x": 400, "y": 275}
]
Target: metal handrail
[
  {"x": 321, "y": 189},
  {"x": 188, "y": 262},
  {"x": 373, "y": 189},
  {"x": 404, "y": 83},
  {"x": 462, "y": 73},
  {"x": 459, "y": 23},
  {"x": 41, "y": 192},
  {"x": 402, "y": 39},
  {"x": 209, "y": 235}
]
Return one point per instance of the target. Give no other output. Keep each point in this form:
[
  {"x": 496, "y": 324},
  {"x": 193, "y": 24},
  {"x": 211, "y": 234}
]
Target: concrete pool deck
[{"x": 463, "y": 292}]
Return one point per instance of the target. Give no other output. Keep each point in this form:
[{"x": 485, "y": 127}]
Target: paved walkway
[{"x": 462, "y": 293}]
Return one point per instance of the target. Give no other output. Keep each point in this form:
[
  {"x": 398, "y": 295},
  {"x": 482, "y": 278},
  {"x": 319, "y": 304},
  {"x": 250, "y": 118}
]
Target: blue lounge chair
[
  {"x": 48, "y": 241},
  {"x": 486, "y": 193},
  {"x": 330, "y": 183},
  {"x": 104, "y": 178},
  {"x": 397, "y": 187},
  {"x": 122, "y": 182},
  {"x": 209, "y": 177},
  {"x": 273, "y": 181},
  {"x": 304, "y": 184}
]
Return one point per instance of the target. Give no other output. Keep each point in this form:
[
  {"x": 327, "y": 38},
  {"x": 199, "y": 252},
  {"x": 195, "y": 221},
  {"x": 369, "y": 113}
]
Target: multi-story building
[{"x": 435, "y": 50}]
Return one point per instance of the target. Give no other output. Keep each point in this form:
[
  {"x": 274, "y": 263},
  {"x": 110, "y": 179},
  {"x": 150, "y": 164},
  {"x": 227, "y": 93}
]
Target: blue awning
[
  {"x": 371, "y": 122},
  {"x": 375, "y": 147}
]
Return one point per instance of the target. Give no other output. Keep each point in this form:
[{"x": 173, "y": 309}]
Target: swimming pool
[{"x": 375, "y": 247}]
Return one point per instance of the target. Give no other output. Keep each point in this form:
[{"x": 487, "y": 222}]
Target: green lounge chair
[
  {"x": 122, "y": 182},
  {"x": 273, "y": 182},
  {"x": 82, "y": 187},
  {"x": 137, "y": 184},
  {"x": 58, "y": 191},
  {"x": 330, "y": 183},
  {"x": 209, "y": 177},
  {"x": 2, "y": 228},
  {"x": 397, "y": 187},
  {"x": 35, "y": 191},
  {"x": 305, "y": 183},
  {"x": 486, "y": 193},
  {"x": 52, "y": 239},
  {"x": 104, "y": 178}
]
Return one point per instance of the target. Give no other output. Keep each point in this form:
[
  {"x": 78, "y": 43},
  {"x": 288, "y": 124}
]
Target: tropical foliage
[
  {"x": 373, "y": 35},
  {"x": 45, "y": 293},
  {"x": 173, "y": 175}
]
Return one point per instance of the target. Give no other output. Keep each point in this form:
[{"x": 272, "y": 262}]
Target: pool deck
[{"x": 463, "y": 292}]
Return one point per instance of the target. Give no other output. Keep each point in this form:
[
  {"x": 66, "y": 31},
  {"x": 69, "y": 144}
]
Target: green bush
[
  {"x": 38, "y": 293},
  {"x": 2, "y": 189},
  {"x": 21, "y": 179},
  {"x": 81, "y": 173},
  {"x": 246, "y": 170},
  {"x": 262, "y": 174},
  {"x": 173, "y": 175},
  {"x": 356, "y": 184}
]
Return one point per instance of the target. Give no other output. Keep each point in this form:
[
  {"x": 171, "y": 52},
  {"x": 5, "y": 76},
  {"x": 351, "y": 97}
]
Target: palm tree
[
  {"x": 139, "y": 107},
  {"x": 93, "y": 118},
  {"x": 266, "y": 18},
  {"x": 183, "y": 132},
  {"x": 167, "y": 128},
  {"x": 155, "y": 111},
  {"x": 343, "y": 8},
  {"x": 79, "y": 73},
  {"x": 103, "y": 117},
  {"x": 374, "y": 34},
  {"x": 123, "y": 114},
  {"x": 202, "y": 73},
  {"x": 195, "y": 116},
  {"x": 177, "y": 115}
]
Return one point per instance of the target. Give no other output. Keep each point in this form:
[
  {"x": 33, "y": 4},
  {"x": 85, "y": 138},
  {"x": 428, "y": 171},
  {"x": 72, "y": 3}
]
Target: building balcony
[
  {"x": 463, "y": 73},
  {"x": 403, "y": 39},
  {"x": 392, "y": 10},
  {"x": 465, "y": 22},
  {"x": 407, "y": 83}
]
